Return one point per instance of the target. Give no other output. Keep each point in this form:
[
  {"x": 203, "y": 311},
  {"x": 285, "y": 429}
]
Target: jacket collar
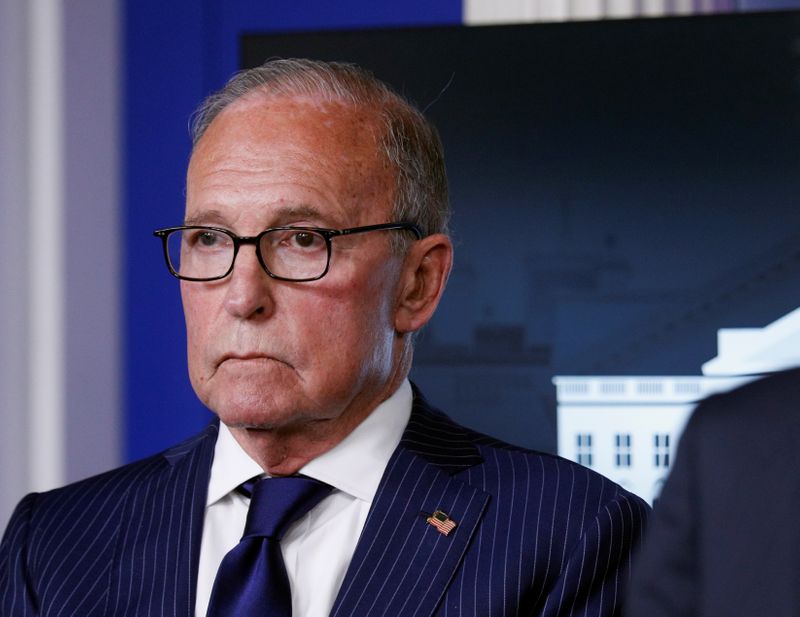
[
  {"x": 433, "y": 436},
  {"x": 403, "y": 563}
]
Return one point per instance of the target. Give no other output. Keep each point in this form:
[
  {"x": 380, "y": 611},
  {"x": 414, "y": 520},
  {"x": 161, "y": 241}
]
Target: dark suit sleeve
[
  {"x": 595, "y": 576},
  {"x": 665, "y": 574},
  {"x": 17, "y": 598}
]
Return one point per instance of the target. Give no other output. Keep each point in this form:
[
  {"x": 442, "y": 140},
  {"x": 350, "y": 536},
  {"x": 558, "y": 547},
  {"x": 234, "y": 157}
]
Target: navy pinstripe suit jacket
[{"x": 536, "y": 535}]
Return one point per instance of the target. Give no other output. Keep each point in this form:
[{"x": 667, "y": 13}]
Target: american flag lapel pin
[{"x": 442, "y": 522}]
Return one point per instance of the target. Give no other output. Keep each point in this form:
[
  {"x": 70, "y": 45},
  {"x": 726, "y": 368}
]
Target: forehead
[
  {"x": 279, "y": 145},
  {"x": 301, "y": 118}
]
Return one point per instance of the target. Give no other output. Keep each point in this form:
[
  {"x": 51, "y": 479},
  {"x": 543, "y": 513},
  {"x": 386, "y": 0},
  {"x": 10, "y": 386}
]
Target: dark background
[{"x": 620, "y": 191}]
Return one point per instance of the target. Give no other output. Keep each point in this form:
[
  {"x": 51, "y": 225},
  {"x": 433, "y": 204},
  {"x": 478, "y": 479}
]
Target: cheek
[
  {"x": 368, "y": 322},
  {"x": 362, "y": 305},
  {"x": 348, "y": 325},
  {"x": 196, "y": 316}
]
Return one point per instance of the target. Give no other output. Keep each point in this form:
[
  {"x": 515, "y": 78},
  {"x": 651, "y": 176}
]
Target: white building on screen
[{"x": 627, "y": 428}]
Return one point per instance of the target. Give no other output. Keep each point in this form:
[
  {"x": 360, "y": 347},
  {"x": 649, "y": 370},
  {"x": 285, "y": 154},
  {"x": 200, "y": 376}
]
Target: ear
[{"x": 422, "y": 282}]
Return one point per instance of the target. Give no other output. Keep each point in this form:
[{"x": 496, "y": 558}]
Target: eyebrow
[
  {"x": 284, "y": 213},
  {"x": 205, "y": 217}
]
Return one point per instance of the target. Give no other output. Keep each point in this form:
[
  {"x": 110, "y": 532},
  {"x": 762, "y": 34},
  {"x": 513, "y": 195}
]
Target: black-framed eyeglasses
[{"x": 199, "y": 253}]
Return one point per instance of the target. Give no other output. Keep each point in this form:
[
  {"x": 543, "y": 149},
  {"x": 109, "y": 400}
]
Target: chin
[
  {"x": 250, "y": 426},
  {"x": 254, "y": 410},
  {"x": 249, "y": 400},
  {"x": 252, "y": 416}
]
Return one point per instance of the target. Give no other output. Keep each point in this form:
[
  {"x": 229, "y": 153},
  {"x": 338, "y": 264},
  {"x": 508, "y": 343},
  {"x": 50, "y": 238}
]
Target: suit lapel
[
  {"x": 159, "y": 544},
  {"x": 403, "y": 564}
]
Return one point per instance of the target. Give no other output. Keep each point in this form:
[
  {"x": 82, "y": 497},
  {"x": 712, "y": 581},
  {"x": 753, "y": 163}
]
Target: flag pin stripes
[{"x": 442, "y": 522}]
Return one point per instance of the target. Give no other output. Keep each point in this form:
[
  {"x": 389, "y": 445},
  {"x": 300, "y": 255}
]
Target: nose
[{"x": 249, "y": 288}]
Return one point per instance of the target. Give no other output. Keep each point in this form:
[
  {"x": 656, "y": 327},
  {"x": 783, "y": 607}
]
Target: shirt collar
[
  {"x": 230, "y": 468},
  {"x": 355, "y": 465}
]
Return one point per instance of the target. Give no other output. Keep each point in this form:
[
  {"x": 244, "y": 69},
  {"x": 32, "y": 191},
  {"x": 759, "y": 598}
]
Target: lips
[{"x": 244, "y": 357}]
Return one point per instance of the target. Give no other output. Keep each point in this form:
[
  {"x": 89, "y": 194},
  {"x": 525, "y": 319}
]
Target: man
[
  {"x": 314, "y": 246},
  {"x": 725, "y": 539}
]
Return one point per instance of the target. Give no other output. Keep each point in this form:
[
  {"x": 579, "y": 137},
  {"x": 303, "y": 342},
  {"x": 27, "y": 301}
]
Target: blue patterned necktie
[{"x": 252, "y": 578}]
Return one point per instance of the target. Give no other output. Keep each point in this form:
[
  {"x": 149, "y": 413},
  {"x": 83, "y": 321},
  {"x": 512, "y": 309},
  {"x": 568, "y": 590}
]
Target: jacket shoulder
[
  {"x": 762, "y": 411},
  {"x": 501, "y": 466},
  {"x": 71, "y": 537},
  {"x": 114, "y": 483}
]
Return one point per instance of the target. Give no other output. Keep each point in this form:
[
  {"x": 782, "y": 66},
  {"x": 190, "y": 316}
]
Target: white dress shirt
[{"x": 317, "y": 549}]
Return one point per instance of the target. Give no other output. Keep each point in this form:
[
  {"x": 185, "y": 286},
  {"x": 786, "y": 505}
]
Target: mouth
[{"x": 254, "y": 358}]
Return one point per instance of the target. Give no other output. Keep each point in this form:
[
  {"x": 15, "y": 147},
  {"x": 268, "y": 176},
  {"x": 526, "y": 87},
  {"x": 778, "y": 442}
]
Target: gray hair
[{"x": 409, "y": 141}]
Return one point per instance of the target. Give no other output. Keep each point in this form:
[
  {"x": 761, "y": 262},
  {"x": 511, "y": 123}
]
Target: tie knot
[{"x": 278, "y": 502}]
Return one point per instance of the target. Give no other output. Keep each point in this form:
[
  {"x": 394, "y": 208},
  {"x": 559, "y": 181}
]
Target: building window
[
  {"x": 661, "y": 450},
  {"x": 622, "y": 450},
  {"x": 583, "y": 450}
]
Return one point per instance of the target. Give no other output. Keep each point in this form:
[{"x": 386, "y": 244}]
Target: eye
[
  {"x": 301, "y": 239},
  {"x": 305, "y": 239},
  {"x": 207, "y": 239},
  {"x": 296, "y": 241}
]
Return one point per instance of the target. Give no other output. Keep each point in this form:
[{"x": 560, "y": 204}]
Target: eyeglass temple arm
[{"x": 383, "y": 226}]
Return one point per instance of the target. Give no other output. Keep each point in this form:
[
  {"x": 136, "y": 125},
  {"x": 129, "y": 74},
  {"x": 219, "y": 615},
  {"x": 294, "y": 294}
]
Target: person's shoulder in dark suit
[
  {"x": 724, "y": 538},
  {"x": 58, "y": 551},
  {"x": 570, "y": 530}
]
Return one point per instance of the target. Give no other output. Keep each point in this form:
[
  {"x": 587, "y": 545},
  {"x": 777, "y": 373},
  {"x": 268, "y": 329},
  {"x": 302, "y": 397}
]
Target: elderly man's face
[{"x": 265, "y": 353}]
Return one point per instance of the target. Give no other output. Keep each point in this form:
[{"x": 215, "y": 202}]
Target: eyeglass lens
[{"x": 201, "y": 253}]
